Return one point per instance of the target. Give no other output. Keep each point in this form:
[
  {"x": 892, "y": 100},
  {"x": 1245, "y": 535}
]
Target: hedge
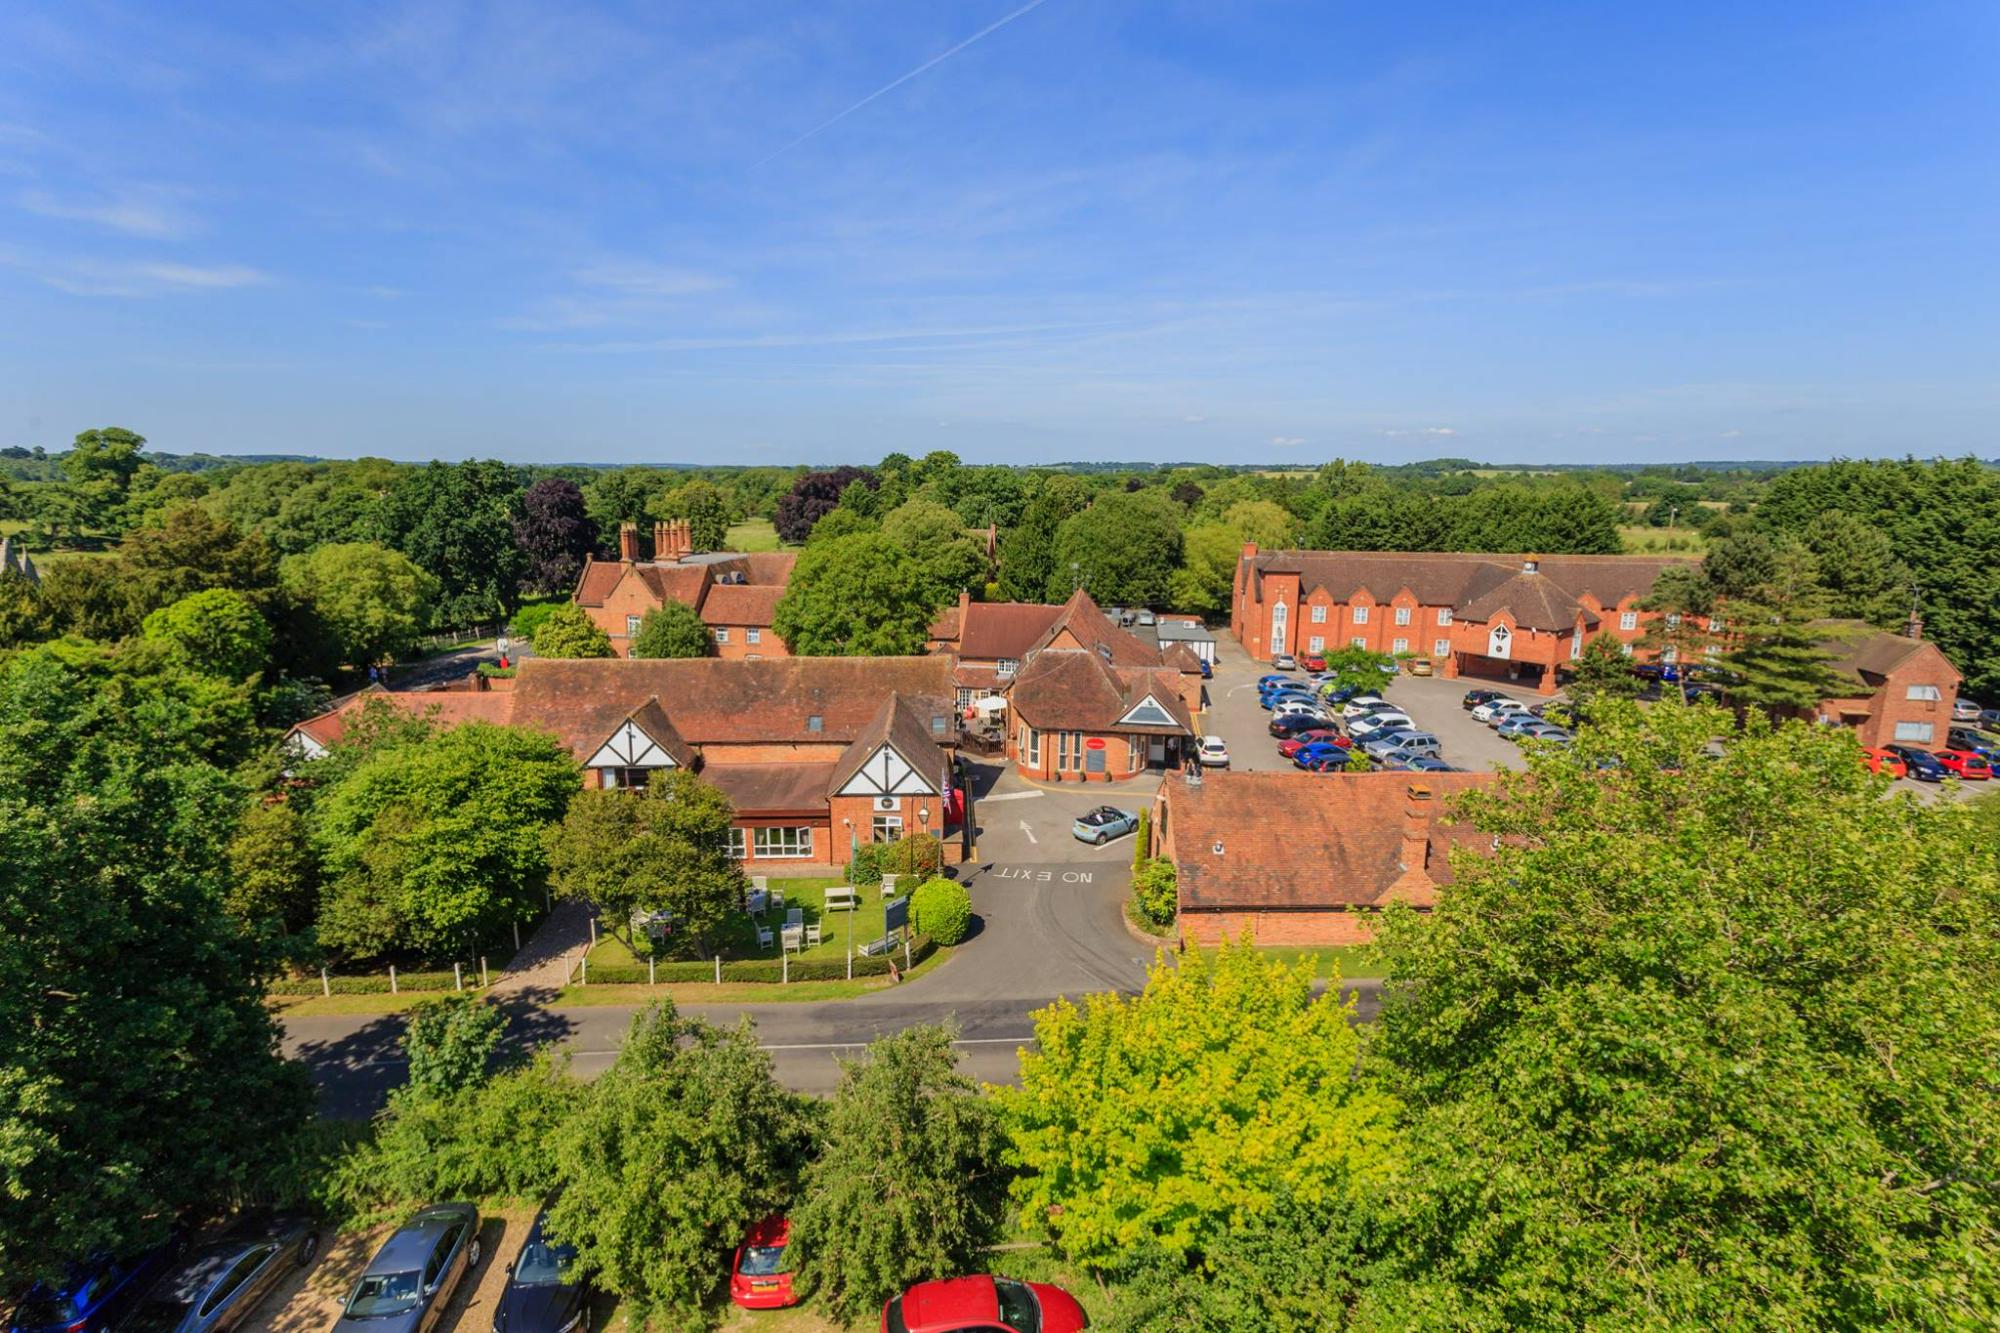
[
  {"x": 374, "y": 985},
  {"x": 767, "y": 971}
]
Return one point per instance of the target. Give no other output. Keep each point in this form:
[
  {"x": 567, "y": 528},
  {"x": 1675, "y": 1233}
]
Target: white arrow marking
[{"x": 1030, "y": 832}]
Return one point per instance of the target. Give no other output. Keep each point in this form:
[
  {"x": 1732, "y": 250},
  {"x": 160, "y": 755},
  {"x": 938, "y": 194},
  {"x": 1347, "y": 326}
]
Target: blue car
[
  {"x": 1266, "y": 682},
  {"x": 96, "y": 1295},
  {"x": 1272, "y": 698},
  {"x": 1103, "y": 824},
  {"x": 1207, "y": 671},
  {"x": 1922, "y": 764},
  {"x": 1321, "y": 757}
]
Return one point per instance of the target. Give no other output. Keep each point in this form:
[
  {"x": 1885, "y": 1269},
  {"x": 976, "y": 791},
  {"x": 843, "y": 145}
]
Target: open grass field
[
  {"x": 838, "y": 929},
  {"x": 1639, "y": 539},
  {"x": 754, "y": 534}
]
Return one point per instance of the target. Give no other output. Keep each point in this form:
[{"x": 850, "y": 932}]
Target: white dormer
[
  {"x": 887, "y": 773},
  {"x": 1148, "y": 712},
  {"x": 630, "y": 747}
]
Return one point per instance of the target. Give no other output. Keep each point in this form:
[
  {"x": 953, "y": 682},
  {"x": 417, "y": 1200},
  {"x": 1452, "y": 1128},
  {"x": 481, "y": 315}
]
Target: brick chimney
[
  {"x": 673, "y": 539},
  {"x": 964, "y": 610},
  {"x": 628, "y": 541},
  {"x": 1417, "y": 829}
]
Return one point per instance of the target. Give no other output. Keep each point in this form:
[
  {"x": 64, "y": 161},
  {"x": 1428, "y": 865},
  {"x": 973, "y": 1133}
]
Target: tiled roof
[
  {"x": 945, "y": 628},
  {"x": 653, "y": 720},
  {"x": 448, "y": 707},
  {"x": 722, "y": 701},
  {"x": 740, "y": 604},
  {"x": 1313, "y": 840},
  {"x": 773, "y": 788},
  {"x": 1459, "y": 580},
  {"x": 1533, "y": 600},
  {"x": 903, "y": 725},
  {"x": 1089, "y": 626},
  {"x": 1862, "y": 651},
  {"x": 1074, "y": 689},
  {"x": 675, "y": 583},
  {"x": 599, "y": 577},
  {"x": 993, "y": 630},
  {"x": 695, "y": 579}
]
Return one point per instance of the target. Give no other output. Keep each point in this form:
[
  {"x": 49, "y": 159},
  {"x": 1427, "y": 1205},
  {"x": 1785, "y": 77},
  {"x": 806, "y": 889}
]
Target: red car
[
  {"x": 1881, "y": 761},
  {"x": 1966, "y": 764},
  {"x": 1290, "y": 747},
  {"x": 1312, "y": 662},
  {"x": 760, "y": 1278},
  {"x": 983, "y": 1305}
]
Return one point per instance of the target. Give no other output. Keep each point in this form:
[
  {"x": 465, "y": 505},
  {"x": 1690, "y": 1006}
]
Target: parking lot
[{"x": 1432, "y": 703}]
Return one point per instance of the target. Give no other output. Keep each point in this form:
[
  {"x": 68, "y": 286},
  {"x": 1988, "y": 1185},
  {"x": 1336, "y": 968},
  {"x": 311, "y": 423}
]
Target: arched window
[
  {"x": 1499, "y": 641},
  {"x": 1278, "y": 617}
]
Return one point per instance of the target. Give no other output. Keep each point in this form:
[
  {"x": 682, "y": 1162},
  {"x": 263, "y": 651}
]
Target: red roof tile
[
  {"x": 1074, "y": 689},
  {"x": 740, "y": 604},
  {"x": 768, "y": 789},
  {"x": 447, "y": 707},
  {"x": 993, "y": 630}
]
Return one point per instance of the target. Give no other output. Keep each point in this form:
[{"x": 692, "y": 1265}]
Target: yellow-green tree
[{"x": 1168, "y": 1118}]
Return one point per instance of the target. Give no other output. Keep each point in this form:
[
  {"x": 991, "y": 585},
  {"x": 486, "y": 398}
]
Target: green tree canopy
[
  {"x": 217, "y": 632},
  {"x": 858, "y": 596},
  {"x": 100, "y": 466},
  {"x": 139, "y": 1069},
  {"x": 672, "y": 629},
  {"x": 1028, "y": 551},
  {"x": 947, "y": 560},
  {"x": 666, "y": 851},
  {"x": 25, "y": 614},
  {"x": 274, "y": 880},
  {"x": 431, "y": 847},
  {"x": 1697, "y": 1039},
  {"x": 1168, "y": 1117},
  {"x": 1123, "y": 549},
  {"x": 1207, "y": 576},
  {"x": 457, "y": 522},
  {"x": 449, "y": 1041},
  {"x": 686, "y": 1140},
  {"x": 371, "y": 601},
  {"x": 568, "y": 631},
  {"x": 704, "y": 508},
  {"x": 1603, "y": 671},
  {"x": 908, "y": 1182}
]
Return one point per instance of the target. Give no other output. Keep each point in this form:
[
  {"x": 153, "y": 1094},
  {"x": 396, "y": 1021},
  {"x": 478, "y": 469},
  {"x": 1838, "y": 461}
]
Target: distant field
[
  {"x": 756, "y": 534},
  {"x": 1641, "y": 540}
]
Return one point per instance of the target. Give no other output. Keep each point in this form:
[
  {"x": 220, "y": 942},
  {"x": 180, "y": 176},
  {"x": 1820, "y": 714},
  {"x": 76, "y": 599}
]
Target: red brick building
[
  {"x": 1904, "y": 686},
  {"x": 989, "y": 640},
  {"x": 1089, "y": 702},
  {"x": 1510, "y": 617},
  {"x": 1307, "y": 858},
  {"x": 817, "y": 754},
  {"x": 735, "y": 595}
]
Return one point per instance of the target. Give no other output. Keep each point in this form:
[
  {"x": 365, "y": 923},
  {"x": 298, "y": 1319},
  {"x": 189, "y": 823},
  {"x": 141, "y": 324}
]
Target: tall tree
[
  {"x": 667, "y": 851},
  {"x": 456, "y": 521},
  {"x": 371, "y": 601},
  {"x": 555, "y": 532},
  {"x": 1730, "y": 1073},
  {"x": 1603, "y": 671},
  {"x": 704, "y": 508},
  {"x": 139, "y": 1069},
  {"x": 1858, "y": 569},
  {"x": 933, "y": 536},
  {"x": 1684, "y": 603},
  {"x": 908, "y": 1182},
  {"x": 568, "y": 631},
  {"x": 685, "y": 1142},
  {"x": 859, "y": 596},
  {"x": 1028, "y": 552},
  {"x": 25, "y": 614},
  {"x": 100, "y": 466},
  {"x": 673, "y": 629},
  {"x": 1207, "y": 575},
  {"x": 814, "y": 496},
  {"x": 1123, "y": 549},
  {"x": 217, "y": 632}
]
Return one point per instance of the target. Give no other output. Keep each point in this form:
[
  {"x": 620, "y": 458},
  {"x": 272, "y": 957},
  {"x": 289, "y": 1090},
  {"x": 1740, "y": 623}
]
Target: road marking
[
  {"x": 1043, "y": 876},
  {"x": 1013, "y": 796},
  {"x": 1030, "y": 832}
]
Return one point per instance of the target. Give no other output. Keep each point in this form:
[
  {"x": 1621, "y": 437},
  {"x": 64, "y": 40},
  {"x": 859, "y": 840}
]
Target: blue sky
[{"x": 1149, "y": 230}]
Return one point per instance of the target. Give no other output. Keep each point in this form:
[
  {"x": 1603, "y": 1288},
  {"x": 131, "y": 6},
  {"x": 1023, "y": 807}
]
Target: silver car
[
  {"x": 410, "y": 1280},
  {"x": 221, "y": 1280}
]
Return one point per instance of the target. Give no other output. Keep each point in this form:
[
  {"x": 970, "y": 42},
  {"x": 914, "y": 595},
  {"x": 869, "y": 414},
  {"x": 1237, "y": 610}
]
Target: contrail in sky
[{"x": 888, "y": 88}]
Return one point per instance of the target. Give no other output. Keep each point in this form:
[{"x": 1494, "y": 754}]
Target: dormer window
[
  {"x": 937, "y": 724},
  {"x": 1006, "y": 666},
  {"x": 815, "y": 723}
]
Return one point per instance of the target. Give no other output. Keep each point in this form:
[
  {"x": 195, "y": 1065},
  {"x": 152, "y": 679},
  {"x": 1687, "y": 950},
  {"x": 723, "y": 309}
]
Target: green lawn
[
  {"x": 1349, "y": 958},
  {"x": 755, "y": 534},
  {"x": 739, "y": 936},
  {"x": 1639, "y": 539}
]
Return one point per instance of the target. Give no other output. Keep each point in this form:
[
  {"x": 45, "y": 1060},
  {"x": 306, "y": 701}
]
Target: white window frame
[
  {"x": 632, "y": 626},
  {"x": 1360, "y": 614},
  {"x": 1441, "y": 648},
  {"x": 739, "y": 844},
  {"x": 1316, "y": 644},
  {"x": 1628, "y": 620},
  {"x": 1319, "y": 615},
  {"x": 753, "y": 636},
  {"x": 1359, "y": 641},
  {"x": 1917, "y": 733},
  {"x": 1062, "y": 750},
  {"x": 1625, "y": 648},
  {"x": 789, "y": 842},
  {"x": 1924, "y": 693},
  {"x": 1031, "y": 745},
  {"x": 721, "y": 635},
  {"x": 1281, "y": 619},
  {"x": 1673, "y": 620},
  {"x": 1715, "y": 624},
  {"x": 1444, "y": 615},
  {"x": 886, "y": 828},
  {"x": 1402, "y": 615},
  {"x": 1670, "y": 654},
  {"x": 1401, "y": 646},
  {"x": 1006, "y": 667}
]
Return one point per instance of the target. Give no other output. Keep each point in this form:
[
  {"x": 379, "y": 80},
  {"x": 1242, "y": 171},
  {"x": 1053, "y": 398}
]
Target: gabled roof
[
  {"x": 1353, "y": 823},
  {"x": 1868, "y": 654},
  {"x": 652, "y": 719},
  {"x": 1459, "y": 580},
  {"x": 991, "y": 631},
  {"x": 1072, "y": 689},
  {"x": 741, "y": 604},
  {"x": 693, "y": 580},
  {"x": 675, "y": 583},
  {"x": 1090, "y": 627},
  {"x": 904, "y": 728},
  {"x": 1533, "y": 600}
]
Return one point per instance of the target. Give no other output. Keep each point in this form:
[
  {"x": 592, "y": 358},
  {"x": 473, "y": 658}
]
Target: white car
[
  {"x": 1361, "y": 728},
  {"x": 1213, "y": 752},
  {"x": 1284, "y": 662},
  {"x": 1502, "y": 709},
  {"x": 1300, "y": 708},
  {"x": 1360, "y": 704},
  {"x": 1486, "y": 711}
]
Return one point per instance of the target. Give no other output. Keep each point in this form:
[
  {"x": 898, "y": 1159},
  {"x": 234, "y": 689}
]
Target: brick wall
[
  {"x": 630, "y": 598},
  {"x": 739, "y": 645},
  {"x": 1119, "y": 760},
  {"x": 1306, "y": 929}
]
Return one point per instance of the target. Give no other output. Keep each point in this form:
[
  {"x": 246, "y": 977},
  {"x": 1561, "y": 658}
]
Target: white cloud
[
  {"x": 643, "y": 279},
  {"x": 1732, "y": 434},
  {"x": 1421, "y": 431},
  {"x": 1287, "y": 441},
  {"x": 156, "y": 279},
  {"x": 146, "y": 211}
]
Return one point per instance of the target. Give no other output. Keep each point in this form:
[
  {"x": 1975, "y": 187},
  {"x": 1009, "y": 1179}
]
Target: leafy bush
[
  {"x": 375, "y": 984},
  {"x": 1155, "y": 889},
  {"x": 919, "y": 855},
  {"x": 1142, "y": 841},
  {"x": 942, "y": 909},
  {"x": 531, "y": 618},
  {"x": 767, "y": 971},
  {"x": 448, "y": 1042}
]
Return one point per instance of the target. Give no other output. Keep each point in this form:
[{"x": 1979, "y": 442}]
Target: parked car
[
  {"x": 219, "y": 1282},
  {"x": 1313, "y": 662},
  {"x": 1207, "y": 668},
  {"x": 1510, "y": 724},
  {"x": 542, "y": 1294},
  {"x": 1323, "y": 757},
  {"x": 1964, "y": 710},
  {"x": 1284, "y": 662},
  {"x": 760, "y": 1277},
  {"x": 1499, "y": 711},
  {"x": 1270, "y": 699},
  {"x": 1361, "y": 703},
  {"x": 1419, "y": 666},
  {"x": 95, "y": 1295},
  {"x": 1146, "y": 618},
  {"x": 1290, "y": 725},
  {"x": 1266, "y": 682},
  {"x": 1427, "y": 763},
  {"x": 1986, "y": 746},
  {"x": 1301, "y": 708},
  {"x": 983, "y": 1304},
  {"x": 1965, "y": 764},
  {"x": 1544, "y": 731},
  {"x": 1474, "y": 698},
  {"x": 1884, "y": 761},
  {"x": 1105, "y": 823},
  {"x": 1921, "y": 765},
  {"x": 410, "y": 1280},
  {"x": 1213, "y": 752},
  {"x": 1989, "y": 717},
  {"x": 1404, "y": 740},
  {"x": 1362, "y": 728},
  {"x": 1293, "y": 745}
]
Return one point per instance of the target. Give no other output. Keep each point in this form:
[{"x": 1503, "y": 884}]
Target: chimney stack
[
  {"x": 1915, "y": 628},
  {"x": 1531, "y": 565},
  {"x": 673, "y": 539},
  {"x": 628, "y": 541},
  {"x": 1417, "y": 829}
]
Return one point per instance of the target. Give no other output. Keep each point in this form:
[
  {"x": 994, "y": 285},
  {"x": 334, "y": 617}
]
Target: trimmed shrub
[
  {"x": 376, "y": 985},
  {"x": 942, "y": 909},
  {"x": 1155, "y": 888},
  {"x": 763, "y": 971},
  {"x": 1142, "y": 841}
]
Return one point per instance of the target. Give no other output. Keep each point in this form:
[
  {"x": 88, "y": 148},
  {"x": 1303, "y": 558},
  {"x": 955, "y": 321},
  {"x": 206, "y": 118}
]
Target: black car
[
  {"x": 1474, "y": 698},
  {"x": 1291, "y": 724},
  {"x": 219, "y": 1282},
  {"x": 543, "y": 1295},
  {"x": 1922, "y": 764}
]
